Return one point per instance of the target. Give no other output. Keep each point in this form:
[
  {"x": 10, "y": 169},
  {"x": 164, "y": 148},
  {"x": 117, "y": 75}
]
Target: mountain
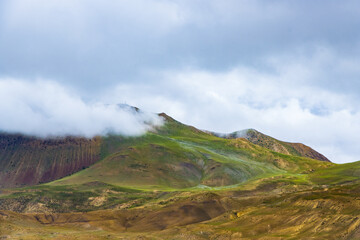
[
  {"x": 174, "y": 155},
  {"x": 258, "y": 138},
  {"x": 174, "y": 182}
]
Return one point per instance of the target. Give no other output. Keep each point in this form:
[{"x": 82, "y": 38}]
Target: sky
[{"x": 288, "y": 68}]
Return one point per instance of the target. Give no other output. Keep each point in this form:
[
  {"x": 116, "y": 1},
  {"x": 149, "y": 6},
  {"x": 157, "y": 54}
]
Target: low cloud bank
[{"x": 47, "y": 109}]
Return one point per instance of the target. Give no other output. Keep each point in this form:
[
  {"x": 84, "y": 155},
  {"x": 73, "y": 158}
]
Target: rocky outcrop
[{"x": 258, "y": 138}]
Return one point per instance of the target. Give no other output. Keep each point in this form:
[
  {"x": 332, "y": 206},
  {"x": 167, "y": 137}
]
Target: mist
[{"x": 45, "y": 108}]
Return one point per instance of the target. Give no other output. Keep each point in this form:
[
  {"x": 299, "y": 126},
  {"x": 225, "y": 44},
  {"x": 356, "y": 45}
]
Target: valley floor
[{"x": 269, "y": 211}]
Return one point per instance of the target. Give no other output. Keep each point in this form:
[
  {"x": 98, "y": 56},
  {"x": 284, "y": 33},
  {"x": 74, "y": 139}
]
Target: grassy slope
[
  {"x": 177, "y": 156},
  {"x": 338, "y": 174}
]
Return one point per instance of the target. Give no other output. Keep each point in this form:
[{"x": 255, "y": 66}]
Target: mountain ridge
[
  {"x": 289, "y": 148},
  {"x": 29, "y": 160}
]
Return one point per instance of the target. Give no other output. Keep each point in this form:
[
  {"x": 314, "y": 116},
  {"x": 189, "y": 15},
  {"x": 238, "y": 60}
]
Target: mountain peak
[
  {"x": 166, "y": 117},
  {"x": 128, "y": 107}
]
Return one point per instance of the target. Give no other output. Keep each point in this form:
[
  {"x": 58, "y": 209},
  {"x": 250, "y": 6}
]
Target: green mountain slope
[
  {"x": 177, "y": 156},
  {"x": 171, "y": 156}
]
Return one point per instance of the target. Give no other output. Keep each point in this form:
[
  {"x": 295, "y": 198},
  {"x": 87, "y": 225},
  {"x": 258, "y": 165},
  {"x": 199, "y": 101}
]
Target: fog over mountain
[{"x": 47, "y": 109}]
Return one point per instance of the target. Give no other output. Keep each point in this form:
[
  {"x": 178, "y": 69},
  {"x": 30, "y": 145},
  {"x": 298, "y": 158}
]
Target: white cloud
[
  {"x": 45, "y": 108},
  {"x": 91, "y": 16}
]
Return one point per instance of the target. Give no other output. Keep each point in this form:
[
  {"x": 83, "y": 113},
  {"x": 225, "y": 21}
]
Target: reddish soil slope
[{"x": 28, "y": 160}]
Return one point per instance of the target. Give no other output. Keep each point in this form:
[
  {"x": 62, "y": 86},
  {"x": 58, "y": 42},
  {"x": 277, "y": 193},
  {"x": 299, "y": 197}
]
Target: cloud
[
  {"x": 45, "y": 108},
  {"x": 100, "y": 41},
  {"x": 94, "y": 44}
]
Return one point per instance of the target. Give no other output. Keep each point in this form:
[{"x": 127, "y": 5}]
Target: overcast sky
[{"x": 290, "y": 69}]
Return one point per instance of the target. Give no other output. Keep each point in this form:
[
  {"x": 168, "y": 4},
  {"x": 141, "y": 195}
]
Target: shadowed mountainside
[{"x": 28, "y": 160}]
